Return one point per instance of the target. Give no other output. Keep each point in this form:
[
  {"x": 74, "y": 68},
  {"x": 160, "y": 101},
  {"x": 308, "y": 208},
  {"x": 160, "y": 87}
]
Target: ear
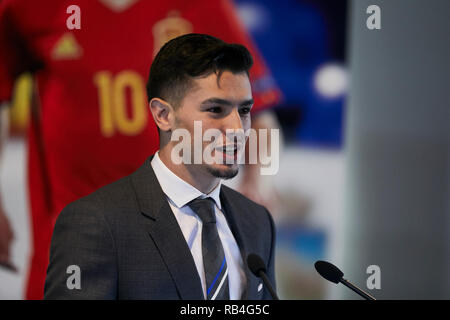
[{"x": 162, "y": 113}]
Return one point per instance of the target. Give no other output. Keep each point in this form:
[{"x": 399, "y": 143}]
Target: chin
[{"x": 224, "y": 171}]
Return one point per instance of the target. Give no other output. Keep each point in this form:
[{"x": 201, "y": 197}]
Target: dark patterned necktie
[{"x": 214, "y": 262}]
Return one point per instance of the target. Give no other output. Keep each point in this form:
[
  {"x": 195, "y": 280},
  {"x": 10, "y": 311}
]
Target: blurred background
[{"x": 364, "y": 173}]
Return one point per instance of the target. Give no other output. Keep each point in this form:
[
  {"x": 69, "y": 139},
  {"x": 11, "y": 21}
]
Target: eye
[
  {"x": 244, "y": 111},
  {"x": 214, "y": 109}
]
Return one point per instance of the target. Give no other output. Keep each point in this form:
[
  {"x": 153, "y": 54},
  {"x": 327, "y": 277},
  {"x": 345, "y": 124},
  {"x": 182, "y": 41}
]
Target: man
[
  {"x": 90, "y": 117},
  {"x": 172, "y": 231}
]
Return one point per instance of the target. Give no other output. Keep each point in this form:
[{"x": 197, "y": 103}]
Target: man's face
[{"x": 218, "y": 105}]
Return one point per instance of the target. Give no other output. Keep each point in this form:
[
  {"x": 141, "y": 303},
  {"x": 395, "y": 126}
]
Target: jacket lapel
[
  {"x": 234, "y": 214},
  {"x": 160, "y": 222}
]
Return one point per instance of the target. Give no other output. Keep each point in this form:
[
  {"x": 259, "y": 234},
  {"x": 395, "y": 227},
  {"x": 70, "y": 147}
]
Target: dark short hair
[{"x": 189, "y": 56}]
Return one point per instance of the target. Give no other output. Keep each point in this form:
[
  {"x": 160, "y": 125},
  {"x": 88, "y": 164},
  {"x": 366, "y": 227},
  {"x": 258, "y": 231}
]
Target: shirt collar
[{"x": 178, "y": 190}]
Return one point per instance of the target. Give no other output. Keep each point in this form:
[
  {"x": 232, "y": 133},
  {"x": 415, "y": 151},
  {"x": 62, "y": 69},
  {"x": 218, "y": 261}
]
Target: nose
[
  {"x": 233, "y": 120},
  {"x": 234, "y": 123}
]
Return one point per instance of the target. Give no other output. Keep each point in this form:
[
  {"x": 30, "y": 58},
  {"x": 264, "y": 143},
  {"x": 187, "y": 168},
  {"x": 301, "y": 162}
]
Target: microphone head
[
  {"x": 329, "y": 271},
  {"x": 255, "y": 264}
]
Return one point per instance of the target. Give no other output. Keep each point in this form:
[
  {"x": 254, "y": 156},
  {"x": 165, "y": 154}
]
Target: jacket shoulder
[
  {"x": 118, "y": 194},
  {"x": 253, "y": 212},
  {"x": 240, "y": 198}
]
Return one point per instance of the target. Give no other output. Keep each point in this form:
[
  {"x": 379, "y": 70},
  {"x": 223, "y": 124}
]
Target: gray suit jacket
[{"x": 128, "y": 245}]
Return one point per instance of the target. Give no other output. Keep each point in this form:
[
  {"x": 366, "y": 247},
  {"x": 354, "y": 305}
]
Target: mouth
[{"x": 229, "y": 152}]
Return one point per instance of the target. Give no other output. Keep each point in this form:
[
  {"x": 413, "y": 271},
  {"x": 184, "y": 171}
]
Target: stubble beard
[{"x": 225, "y": 174}]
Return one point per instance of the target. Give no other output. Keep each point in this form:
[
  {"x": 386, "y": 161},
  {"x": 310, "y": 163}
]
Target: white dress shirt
[{"x": 179, "y": 193}]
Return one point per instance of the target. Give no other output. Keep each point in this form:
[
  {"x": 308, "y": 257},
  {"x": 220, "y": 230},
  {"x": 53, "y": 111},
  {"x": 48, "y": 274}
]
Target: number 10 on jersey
[{"x": 112, "y": 98}]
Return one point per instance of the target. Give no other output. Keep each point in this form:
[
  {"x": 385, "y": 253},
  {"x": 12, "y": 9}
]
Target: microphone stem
[
  {"x": 267, "y": 283},
  {"x": 348, "y": 284}
]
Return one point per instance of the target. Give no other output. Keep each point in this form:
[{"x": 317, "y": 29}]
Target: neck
[{"x": 192, "y": 174}]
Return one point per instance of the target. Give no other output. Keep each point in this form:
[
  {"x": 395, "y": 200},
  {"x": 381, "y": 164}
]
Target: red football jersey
[{"x": 92, "y": 125}]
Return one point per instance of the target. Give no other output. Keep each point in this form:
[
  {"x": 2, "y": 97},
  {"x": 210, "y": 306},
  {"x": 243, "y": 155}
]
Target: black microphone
[
  {"x": 332, "y": 273},
  {"x": 258, "y": 268}
]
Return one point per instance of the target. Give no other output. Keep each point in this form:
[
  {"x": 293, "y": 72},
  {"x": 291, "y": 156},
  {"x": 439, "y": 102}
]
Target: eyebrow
[{"x": 244, "y": 103}]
